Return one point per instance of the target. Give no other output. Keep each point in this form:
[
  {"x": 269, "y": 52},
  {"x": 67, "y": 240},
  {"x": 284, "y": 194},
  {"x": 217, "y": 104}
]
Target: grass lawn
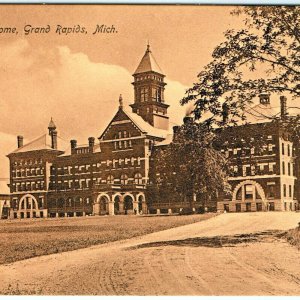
[{"x": 22, "y": 239}]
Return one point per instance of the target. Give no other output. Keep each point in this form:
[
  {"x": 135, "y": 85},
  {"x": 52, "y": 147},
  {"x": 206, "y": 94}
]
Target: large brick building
[
  {"x": 108, "y": 177},
  {"x": 49, "y": 178},
  {"x": 264, "y": 175}
]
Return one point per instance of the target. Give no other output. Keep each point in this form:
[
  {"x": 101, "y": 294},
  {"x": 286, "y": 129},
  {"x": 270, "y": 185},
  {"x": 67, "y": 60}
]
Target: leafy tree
[
  {"x": 261, "y": 57},
  {"x": 190, "y": 165}
]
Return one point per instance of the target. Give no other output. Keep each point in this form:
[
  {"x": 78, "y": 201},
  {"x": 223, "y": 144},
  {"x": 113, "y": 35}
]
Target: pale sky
[{"x": 77, "y": 78}]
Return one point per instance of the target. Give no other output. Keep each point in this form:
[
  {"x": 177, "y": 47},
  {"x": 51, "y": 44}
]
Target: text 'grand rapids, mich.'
[{"x": 59, "y": 29}]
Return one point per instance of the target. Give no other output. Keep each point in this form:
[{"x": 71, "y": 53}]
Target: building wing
[{"x": 43, "y": 142}]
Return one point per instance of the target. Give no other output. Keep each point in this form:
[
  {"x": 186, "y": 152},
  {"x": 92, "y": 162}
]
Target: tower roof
[
  {"x": 148, "y": 63},
  {"x": 51, "y": 125}
]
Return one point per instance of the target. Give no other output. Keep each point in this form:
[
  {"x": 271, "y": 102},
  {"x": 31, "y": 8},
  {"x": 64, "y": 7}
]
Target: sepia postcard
[{"x": 149, "y": 150}]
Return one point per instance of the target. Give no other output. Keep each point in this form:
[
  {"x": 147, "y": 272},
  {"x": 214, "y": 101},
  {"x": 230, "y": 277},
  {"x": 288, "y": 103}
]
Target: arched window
[
  {"x": 124, "y": 179},
  {"x": 110, "y": 179},
  {"x": 138, "y": 178}
]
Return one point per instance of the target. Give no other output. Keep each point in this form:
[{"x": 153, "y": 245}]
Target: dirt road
[{"x": 232, "y": 254}]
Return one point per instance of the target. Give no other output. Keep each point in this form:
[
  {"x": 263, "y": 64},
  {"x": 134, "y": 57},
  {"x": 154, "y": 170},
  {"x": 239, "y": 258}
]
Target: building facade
[
  {"x": 263, "y": 159},
  {"x": 107, "y": 177},
  {"x": 49, "y": 178}
]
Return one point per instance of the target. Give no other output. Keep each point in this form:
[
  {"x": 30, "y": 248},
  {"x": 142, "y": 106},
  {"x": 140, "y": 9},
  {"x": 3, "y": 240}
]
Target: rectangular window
[
  {"x": 283, "y": 168},
  {"x": 289, "y": 169},
  {"x": 271, "y": 191},
  {"x": 290, "y": 191},
  {"x": 282, "y": 148},
  {"x": 289, "y": 150},
  {"x": 249, "y": 191},
  {"x": 284, "y": 190}
]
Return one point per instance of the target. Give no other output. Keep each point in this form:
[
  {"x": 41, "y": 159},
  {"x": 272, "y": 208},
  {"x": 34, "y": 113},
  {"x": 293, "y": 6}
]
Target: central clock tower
[{"x": 149, "y": 87}]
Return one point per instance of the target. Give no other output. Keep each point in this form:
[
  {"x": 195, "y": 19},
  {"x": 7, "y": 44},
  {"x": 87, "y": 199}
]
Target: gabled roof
[
  {"x": 145, "y": 127},
  {"x": 141, "y": 124},
  {"x": 261, "y": 113},
  {"x": 42, "y": 143},
  {"x": 148, "y": 64}
]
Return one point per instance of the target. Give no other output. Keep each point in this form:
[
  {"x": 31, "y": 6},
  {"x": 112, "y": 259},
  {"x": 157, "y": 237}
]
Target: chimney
[
  {"x": 73, "y": 146},
  {"x": 175, "y": 132},
  {"x": 20, "y": 141},
  {"x": 283, "y": 109},
  {"x": 91, "y": 144},
  {"x": 54, "y": 139},
  {"x": 187, "y": 120},
  {"x": 175, "y": 129},
  {"x": 264, "y": 99}
]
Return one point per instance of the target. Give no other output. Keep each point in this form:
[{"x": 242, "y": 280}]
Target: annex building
[{"x": 110, "y": 174}]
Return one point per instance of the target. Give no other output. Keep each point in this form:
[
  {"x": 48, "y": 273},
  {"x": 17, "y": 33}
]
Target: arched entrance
[
  {"x": 28, "y": 206},
  {"x": 128, "y": 204},
  {"x": 117, "y": 204},
  {"x": 250, "y": 191},
  {"x": 101, "y": 206}
]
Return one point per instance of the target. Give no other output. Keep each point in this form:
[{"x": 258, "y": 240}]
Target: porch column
[
  {"x": 136, "y": 207},
  {"x": 158, "y": 211},
  {"x": 243, "y": 193},
  {"x": 66, "y": 215},
  {"x": 96, "y": 209},
  {"x": 74, "y": 214},
  {"x": 254, "y": 192},
  {"x": 56, "y": 215},
  {"x": 169, "y": 211},
  {"x": 111, "y": 208}
]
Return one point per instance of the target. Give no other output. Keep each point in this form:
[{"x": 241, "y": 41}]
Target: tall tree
[
  {"x": 261, "y": 57},
  {"x": 191, "y": 165}
]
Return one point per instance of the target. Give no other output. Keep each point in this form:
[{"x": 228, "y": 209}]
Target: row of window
[
  {"x": 122, "y": 135},
  {"x": 28, "y": 186},
  {"x": 123, "y": 145},
  {"x": 139, "y": 78},
  {"x": 88, "y": 183},
  {"x": 251, "y": 170},
  {"x": 24, "y": 162},
  {"x": 27, "y": 172},
  {"x": 115, "y": 163},
  {"x": 268, "y": 149},
  {"x": 261, "y": 169},
  {"x": 144, "y": 94}
]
